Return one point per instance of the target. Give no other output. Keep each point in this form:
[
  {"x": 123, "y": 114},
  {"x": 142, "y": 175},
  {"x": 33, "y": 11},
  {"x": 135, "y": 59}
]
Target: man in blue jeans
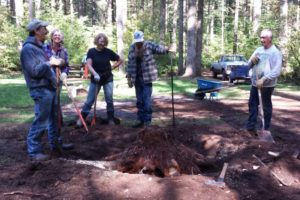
[
  {"x": 141, "y": 72},
  {"x": 41, "y": 81},
  {"x": 268, "y": 61}
]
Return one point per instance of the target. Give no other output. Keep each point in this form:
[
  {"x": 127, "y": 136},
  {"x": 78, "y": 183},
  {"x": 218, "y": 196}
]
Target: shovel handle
[
  {"x": 260, "y": 101},
  {"x": 95, "y": 106},
  {"x": 223, "y": 172},
  {"x": 77, "y": 110}
]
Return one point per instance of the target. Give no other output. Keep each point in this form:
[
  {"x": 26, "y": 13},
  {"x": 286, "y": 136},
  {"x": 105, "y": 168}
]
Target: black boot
[{"x": 110, "y": 117}]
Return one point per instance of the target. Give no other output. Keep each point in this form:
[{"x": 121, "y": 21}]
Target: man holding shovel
[
  {"x": 41, "y": 81},
  {"x": 141, "y": 72},
  {"x": 266, "y": 64}
]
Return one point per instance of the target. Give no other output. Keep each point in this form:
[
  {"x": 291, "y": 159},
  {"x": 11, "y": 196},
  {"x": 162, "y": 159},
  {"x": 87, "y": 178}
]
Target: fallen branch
[{"x": 28, "y": 193}]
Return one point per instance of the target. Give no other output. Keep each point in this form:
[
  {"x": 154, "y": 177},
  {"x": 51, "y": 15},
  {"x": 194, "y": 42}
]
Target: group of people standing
[{"x": 46, "y": 66}]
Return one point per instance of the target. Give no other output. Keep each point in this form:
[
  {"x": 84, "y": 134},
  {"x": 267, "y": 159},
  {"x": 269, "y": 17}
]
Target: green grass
[{"x": 16, "y": 105}]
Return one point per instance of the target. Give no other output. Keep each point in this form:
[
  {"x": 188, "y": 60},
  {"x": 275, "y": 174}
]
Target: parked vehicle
[{"x": 232, "y": 67}]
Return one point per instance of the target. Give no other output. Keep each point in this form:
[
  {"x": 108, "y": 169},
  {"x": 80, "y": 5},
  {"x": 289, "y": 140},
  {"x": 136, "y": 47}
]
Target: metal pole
[{"x": 172, "y": 86}]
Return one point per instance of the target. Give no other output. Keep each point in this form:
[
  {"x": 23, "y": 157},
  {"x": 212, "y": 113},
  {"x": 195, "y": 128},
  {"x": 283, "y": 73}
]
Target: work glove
[
  {"x": 255, "y": 59},
  {"x": 171, "y": 48},
  {"x": 130, "y": 84},
  {"x": 260, "y": 82},
  {"x": 63, "y": 76},
  {"x": 56, "y": 62},
  {"x": 97, "y": 78}
]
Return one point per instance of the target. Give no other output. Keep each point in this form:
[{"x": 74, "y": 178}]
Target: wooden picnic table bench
[{"x": 78, "y": 70}]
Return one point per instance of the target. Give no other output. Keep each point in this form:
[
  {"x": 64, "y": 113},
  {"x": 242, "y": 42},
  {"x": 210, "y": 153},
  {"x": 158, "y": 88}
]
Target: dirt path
[{"x": 209, "y": 128}]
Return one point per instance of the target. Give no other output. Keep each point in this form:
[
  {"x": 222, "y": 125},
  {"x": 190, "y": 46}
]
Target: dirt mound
[{"x": 156, "y": 151}]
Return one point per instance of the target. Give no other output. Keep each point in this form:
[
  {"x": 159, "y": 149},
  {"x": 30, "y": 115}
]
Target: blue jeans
[
  {"x": 266, "y": 94},
  {"x": 108, "y": 94},
  {"x": 45, "y": 110},
  {"x": 143, "y": 94}
]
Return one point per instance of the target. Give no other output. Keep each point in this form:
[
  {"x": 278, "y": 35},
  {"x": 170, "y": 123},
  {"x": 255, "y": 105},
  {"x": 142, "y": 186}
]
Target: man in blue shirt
[{"x": 41, "y": 81}]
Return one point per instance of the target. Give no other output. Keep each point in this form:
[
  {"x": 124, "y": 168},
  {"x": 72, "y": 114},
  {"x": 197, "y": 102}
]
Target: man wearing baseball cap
[
  {"x": 41, "y": 81},
  {"x": 141, "y": 72}
]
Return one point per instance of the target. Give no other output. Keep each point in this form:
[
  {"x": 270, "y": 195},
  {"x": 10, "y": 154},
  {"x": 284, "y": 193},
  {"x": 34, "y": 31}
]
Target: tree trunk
[
  {"x": 142, "y": 5},
  {"x": 84, "y": 7},
  {"x": 153, "y": 14},
  {"x": 212, "y": 23},
  {"x": 65, "y": 2},
  {"x": 61, "y": 5},
  {"x": 256, "y": 15},
  {"x": 121, "y": 6},
  {"x": 246, "y": 12},
  {"x": 37, "y": 9},
  {"x": 52, "y": 7},
  {"x": 236, "y": 26},
  {"x": 162, "y": 22},
  {"x": 109, "y": 18},
  {"x": 93, "y": 12},
  {"x": 208, "y": 22},
  {"x": 190, "y": 57},
  {"x": 222, "y": 24},
  {"x": 113, "y": 11},
  {"x": 283, "y": 33},
  {"x": 13, "y": 11},
  {"x": 283, "y": 22},
  {"x": 19, "y": 11},
  {"x": 80, "y": 8},
  {"x": 298, "y": 13},
  {"x": 72, "y": 9},
  {"x": 251, "y": 11},
  {"x": 199, "y": 37},
  {"x": 180, "y": 36},
  {"x": 30, "y": 10},
  {"x": 175, "y": 18}
]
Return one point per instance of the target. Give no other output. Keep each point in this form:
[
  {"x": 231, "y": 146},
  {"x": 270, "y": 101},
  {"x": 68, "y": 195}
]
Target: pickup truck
[{"x": 232, "y": 67}]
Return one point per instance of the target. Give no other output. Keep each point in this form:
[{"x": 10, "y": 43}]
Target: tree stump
[{"x": 156, "y": 151}]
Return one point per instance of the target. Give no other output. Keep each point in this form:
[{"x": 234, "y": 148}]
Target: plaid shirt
[
  {"x": 58, "y": 53},
  {"x": 148, "y": 62}
]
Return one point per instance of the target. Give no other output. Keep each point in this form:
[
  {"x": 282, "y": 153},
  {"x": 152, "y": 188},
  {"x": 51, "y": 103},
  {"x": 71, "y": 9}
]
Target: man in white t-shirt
[{"x": 268, "y": 61}]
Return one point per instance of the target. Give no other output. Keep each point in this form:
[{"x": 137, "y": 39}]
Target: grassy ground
[{"x": 16, "y": 105}]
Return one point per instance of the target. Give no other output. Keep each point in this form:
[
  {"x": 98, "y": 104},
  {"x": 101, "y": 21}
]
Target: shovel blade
[
  {"x": 215, "y": 183},
  {"x": 265, "y": 136}
]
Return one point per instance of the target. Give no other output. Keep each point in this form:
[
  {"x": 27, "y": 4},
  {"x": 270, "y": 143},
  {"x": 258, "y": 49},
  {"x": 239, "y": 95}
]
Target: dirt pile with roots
[{"x": 157, "y": 151}]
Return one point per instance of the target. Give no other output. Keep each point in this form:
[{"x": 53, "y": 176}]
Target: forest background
[{"x": 201, "y": 30}]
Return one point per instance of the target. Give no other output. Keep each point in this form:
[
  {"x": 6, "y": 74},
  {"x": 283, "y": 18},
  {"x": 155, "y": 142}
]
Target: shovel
[
  {"x": 263, "y": 135},
  {"x": 73, "y": 101},
  {"x": 57, "y": 144},
  {"x": 220, "y": 181},
  {"x": 95, "y": 105}
]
